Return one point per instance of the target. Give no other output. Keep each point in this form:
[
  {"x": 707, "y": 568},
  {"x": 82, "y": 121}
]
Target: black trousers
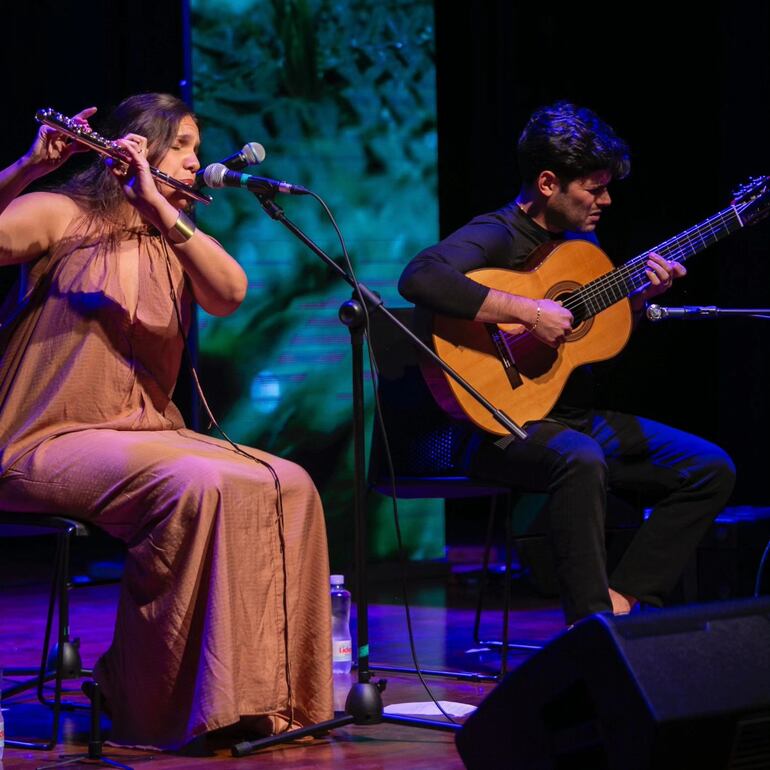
[{"x": 576, "y": 463}]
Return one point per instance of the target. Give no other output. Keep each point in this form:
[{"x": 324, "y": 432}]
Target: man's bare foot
[{"x": 622, "y": 604}]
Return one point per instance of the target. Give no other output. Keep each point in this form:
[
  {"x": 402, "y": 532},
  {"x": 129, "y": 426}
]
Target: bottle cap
[{"x": 336, "y": 580}]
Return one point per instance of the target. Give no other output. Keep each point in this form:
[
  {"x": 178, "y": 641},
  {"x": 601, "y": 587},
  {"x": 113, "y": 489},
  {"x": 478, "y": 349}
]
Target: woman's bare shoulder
[
  {"x": 33, "y": 223},
  {"x": 53, "y": 202}
]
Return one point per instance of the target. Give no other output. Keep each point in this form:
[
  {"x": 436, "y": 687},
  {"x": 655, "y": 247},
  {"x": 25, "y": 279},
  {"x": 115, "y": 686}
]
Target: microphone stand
[
  {"x": 364, "y": 701},
  {"x": 704, "y": 312},
  {"x": 750, "y": 312}
]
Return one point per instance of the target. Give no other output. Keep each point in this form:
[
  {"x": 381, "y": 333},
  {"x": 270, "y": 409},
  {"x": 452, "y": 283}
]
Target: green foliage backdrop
[{"x": 342, "y": 96}]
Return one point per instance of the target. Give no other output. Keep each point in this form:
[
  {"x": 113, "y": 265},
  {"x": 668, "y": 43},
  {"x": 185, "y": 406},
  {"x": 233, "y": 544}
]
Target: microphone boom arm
[{"x": 656, "y": 313}]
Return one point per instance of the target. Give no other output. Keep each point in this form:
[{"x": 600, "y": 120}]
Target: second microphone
[{"x": 217, "y": 175}]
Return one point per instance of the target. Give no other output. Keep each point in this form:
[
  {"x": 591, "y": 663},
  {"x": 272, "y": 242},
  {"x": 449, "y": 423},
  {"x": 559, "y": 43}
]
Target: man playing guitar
[{"x": 567, "y": 157}]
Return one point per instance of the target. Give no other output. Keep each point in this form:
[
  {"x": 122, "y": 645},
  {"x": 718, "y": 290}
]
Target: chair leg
[
  {"x": 690, "y": 580},
  {"x": 43, "y": 675},
  {"x": 505, "y": 643},
  {"x": 62, "y": 635},
  {"x": 506, "y": 589},
  {"x": 59, "y": 595},
  {"x": 67, "y": 661},
  {"x": 484, "y": 570},
  {"x": 460, "y": 675}
]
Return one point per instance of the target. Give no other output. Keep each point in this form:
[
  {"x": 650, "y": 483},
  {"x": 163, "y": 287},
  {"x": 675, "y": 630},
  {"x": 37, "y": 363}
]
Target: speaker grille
[{"x": 751, "y": 748}]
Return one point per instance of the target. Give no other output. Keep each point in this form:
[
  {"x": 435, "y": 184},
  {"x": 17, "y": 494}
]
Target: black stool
[{"x": 62, "y": 660}]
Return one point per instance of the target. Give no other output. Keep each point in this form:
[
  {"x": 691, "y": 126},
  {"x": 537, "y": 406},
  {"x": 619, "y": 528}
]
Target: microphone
[
  {"x": 251, "y": 154},
  {"x": 688, "y": 312},
  {"x": 216, "y": 175}
]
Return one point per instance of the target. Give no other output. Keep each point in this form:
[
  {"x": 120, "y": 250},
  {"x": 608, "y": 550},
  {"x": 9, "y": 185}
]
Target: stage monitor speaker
[{"x": 686, "y": 689}]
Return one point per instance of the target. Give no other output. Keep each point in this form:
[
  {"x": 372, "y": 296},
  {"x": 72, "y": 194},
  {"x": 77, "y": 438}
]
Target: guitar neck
[{"x": 619, "y": 283}]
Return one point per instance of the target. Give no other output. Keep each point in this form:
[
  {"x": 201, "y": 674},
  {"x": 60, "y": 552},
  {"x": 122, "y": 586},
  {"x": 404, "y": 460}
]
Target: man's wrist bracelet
[
  {"x": 537, "y": 319},
  {"x": 182, "y": 230}
]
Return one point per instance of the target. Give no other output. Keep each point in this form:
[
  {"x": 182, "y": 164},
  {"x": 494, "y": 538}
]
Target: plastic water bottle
[{"x": 342, "y": 647}]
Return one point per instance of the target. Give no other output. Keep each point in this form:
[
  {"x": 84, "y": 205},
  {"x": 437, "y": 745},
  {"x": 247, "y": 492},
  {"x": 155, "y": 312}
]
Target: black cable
[
  {"x": 760, "y": 570},
  {"x": 374, "y": 374},
  {"x": 276, "y": 481}
]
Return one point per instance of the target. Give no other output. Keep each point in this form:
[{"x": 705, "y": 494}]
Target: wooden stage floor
[{"x": 443, "y": 622}]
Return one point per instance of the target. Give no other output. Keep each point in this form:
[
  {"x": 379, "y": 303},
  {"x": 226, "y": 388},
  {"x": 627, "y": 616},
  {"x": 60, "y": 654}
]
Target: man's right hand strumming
[
  {"x": 547, "y": 320},
  {"x": 552, "y": 322}
]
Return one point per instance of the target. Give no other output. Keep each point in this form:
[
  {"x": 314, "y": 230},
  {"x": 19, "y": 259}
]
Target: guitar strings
[
  {"x": 683, "y": 246},
  {"x": 678, "y": 248},
  {"x": 632, "y": 274}
]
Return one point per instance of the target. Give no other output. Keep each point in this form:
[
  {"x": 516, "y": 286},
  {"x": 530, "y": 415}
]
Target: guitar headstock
[{"x": 752, "y": 200}]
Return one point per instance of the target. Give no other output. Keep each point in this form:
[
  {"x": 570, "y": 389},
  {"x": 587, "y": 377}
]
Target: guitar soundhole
[{"x": 582, "y": 323}]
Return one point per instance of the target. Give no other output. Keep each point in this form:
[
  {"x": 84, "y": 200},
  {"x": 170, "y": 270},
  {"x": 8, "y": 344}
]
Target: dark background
[{"x": 691, "y": 97}]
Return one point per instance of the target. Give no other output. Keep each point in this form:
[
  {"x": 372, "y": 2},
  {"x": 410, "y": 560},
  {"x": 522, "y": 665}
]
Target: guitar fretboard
[{"x": 619, "y": 283}]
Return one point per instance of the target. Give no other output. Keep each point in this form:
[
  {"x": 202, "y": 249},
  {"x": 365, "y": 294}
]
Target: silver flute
[{"x": 87, "y": 136}]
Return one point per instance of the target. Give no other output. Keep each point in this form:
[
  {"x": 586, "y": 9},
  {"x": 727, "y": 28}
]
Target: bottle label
[{"x": 342, "y": 650}]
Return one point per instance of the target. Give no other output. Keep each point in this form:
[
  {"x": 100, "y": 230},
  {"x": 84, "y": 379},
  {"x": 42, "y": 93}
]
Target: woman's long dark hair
[{"x": 154, "y": 116}]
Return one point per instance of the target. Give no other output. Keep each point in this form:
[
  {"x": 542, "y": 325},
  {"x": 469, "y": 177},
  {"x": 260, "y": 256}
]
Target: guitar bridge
[{"x": 505, "y": 355}]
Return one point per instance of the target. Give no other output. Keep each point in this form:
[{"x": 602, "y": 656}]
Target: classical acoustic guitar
[{"x": 521, "y": 375}]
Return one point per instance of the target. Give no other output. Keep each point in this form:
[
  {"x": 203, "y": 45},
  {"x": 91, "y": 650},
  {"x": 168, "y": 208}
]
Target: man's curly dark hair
[{"x": 571, "y": 141}]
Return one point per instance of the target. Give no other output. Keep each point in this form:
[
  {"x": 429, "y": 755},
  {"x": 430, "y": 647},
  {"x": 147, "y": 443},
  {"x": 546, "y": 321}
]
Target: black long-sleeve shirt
[{"x": 435, "y": 279}]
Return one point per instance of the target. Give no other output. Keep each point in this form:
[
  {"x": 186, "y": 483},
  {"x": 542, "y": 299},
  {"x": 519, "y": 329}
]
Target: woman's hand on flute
[
  {"x": 52, "y": 148},
  {"x": 134, "y": 174}
]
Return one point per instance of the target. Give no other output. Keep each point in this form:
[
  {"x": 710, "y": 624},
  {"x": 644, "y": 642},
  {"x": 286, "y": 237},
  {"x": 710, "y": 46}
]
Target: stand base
[
  {"x": 94, "y": 755},
  {"x": 362, "y": 707},
  {"x": 364, "y": 702},
  {"x": 87, "y": 759}
]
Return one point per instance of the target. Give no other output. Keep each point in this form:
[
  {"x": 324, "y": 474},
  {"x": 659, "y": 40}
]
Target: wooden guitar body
[{"x": 505, "y": 362}]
